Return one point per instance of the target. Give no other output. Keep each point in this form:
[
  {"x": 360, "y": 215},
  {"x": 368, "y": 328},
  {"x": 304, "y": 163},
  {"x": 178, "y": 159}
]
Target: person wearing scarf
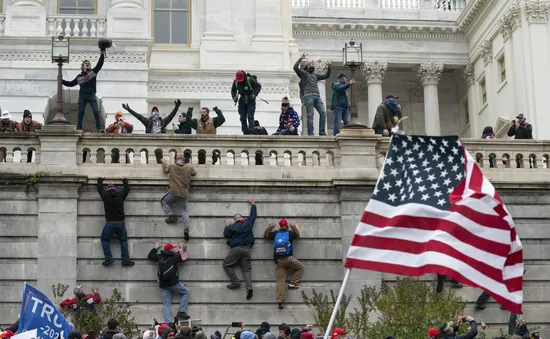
[
  {"x": 387, "y": 115},
  {"x": 155, "y": 124}
]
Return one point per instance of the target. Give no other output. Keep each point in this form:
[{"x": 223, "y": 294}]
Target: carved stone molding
[
  {"x": 75, "y": 57},
  {"x": 190, "y": 87},
  {"x": 486, "y": 51},
  {"x": 27, "y": 2},
  {"x": 510, "y": 20},
  {"x": 469, "y": 75},
  {"x": 357, "y": 150},
  {"x": 127, "y": 3},
  {"x": 536, "y": 12},
  {"x": 430, "y": 73},
  {"x": 375, "y": 71},
  {"x": 471, "y": 13},
  {"x": 415, "y": 90}
]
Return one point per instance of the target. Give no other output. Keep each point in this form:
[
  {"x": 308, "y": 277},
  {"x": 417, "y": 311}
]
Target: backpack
[
  {"x": 167, "y": 270},
  {"x": 282, "y": 245}
]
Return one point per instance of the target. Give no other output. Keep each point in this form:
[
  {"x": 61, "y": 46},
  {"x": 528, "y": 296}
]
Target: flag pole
[{"x": 338, "y": 302}]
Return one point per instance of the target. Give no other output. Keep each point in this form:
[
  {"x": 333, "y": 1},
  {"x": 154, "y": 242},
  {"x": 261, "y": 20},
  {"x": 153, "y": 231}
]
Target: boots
[{"x": 172, "y": 219}]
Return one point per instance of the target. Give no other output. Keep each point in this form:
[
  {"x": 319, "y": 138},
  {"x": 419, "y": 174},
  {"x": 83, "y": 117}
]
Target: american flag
[{"x": 433, "y": 211}]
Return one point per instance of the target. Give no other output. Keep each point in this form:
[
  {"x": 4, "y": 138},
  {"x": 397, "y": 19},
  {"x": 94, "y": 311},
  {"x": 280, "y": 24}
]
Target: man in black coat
[{"x": 155, "y": 123}]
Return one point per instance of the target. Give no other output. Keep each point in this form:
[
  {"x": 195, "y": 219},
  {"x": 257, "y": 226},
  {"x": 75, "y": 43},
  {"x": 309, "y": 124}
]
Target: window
[
  {"x": 171, "y": 21},
  {"x": 483, "y": 90},
  {"x": 77, "y": 6},
  {"x": 466, "y": 111},
  {"x": 501, "y": 69}
]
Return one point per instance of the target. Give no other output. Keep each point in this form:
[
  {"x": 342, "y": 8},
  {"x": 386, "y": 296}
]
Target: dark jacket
[
  {"x": 470, "y": 335},
  {"x": 183, "y": 128},
  {"x": 87, "y": 80},
  {"x": 109, "y": 334},
  {"x": 148, "y": 122},
  {"x": 524, "y": 131},
  {"x": 287, "y": 119},
  {"x": 384, "y": 118},
  {"x": 308, "y": 80},
  {"x": 8, "y": 125},
  {"x": 113, "y": 202},
  {"x": 240, "y": 233},
  {"x": 339, "y": 94},
  {"x": 218, "y": 120},
  {"x": 248, "y": 90},
  {"x": 155, "y": 256},
  {"x": 32, "y": 127}
]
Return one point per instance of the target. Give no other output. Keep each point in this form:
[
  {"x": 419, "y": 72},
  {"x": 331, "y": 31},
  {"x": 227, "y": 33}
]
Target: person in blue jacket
[{"x": 240, "y": 239}]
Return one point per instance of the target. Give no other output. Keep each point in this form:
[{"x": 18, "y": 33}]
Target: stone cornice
[
  {"x": 536, "y": 11},
  {"x": 470, "y": 13},
  {"x": 383, "y": 29},
  {"x": 510, "y": 20},
  {"x": 204, "y": 87},
  {"x": 46, "y": 56}
]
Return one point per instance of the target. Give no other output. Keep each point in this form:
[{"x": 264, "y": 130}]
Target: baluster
[
  {"x": 9, "y": 156},
  {"x": 93, "y": 157},
  {"x": 101, "y": 28},
  {"x": 77, "y": 30},
  {"x": 51, "y": 29},
  {"x": 16, "y": 156},
  {"x": 294, "y": 159},
  {"x": 252, "y": 158},
  {"x": 36, "y": 157},
  {"x": 93, "y": 30},
  {"x": 68, "y": 30},
  {"x": 59, "y": 25},
  {"x": 195, "y": 158},
  {"x": 85, "y": 31}
]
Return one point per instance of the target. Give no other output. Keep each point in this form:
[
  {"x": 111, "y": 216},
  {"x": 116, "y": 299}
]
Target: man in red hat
[
  {"x": 244, "y": 91},
  {"x": 433, "y": 333},
  {"x": 283, "y": 255},
  {"x": 338, "y": 333},
  {"x": 168, "y": 277}
]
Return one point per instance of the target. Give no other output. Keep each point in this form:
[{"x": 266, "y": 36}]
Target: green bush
[
  {"x": 405, "y": 310},
  {"x": 115, "y": 307}
]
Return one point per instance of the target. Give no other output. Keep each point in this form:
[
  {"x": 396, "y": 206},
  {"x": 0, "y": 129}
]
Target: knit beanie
[
  {"x": 283, "y": 223},
  {"x": 285, "y": 101},
  {"x": 27, "y": 113},
  {"x": 111, "y": 187}
]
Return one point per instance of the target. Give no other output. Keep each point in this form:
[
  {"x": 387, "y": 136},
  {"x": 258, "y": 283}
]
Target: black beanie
[{"x": 27, "y": 113}]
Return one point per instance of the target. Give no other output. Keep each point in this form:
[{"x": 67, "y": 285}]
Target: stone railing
[
  {"x": 440, "y": 5},
  {"x": 17, "y": 147},
  {"x": 400, "y": 4},
  {"x": 2, "y": 23},
  {"x": 76, "y": 25}
]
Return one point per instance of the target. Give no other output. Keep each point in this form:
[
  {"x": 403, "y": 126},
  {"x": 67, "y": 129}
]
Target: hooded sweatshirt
[
  {"x": 240, "y": 233},
  {"x": 113, "y": 201}
]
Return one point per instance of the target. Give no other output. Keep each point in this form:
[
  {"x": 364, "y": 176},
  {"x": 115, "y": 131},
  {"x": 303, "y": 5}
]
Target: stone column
[
  {"x": 430, "y": 73},
  {"x": 25, "y": 18},
  {"x": 58, "y": 148},
  {"x": 469, "y": 78},
  {"x": 509, "y": 22},
  {"x": 374, "y": 74},
  {"x": 57, "y": 232},
  {"x": 537, "y": 18},
  {"x": 486, "y": 118},
  {"x": 128, "y": 19}
]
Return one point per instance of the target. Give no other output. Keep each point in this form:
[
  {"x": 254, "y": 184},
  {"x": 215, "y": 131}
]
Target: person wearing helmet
[
  {"x": 87, "y": 80},
  {"x": 244, "y": 91}
]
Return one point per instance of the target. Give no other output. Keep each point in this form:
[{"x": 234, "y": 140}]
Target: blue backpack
[{"x": 282, "y": 245}]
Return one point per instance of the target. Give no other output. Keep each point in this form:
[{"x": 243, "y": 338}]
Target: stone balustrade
[
  {"x": 441, "y": 5},
  {"x": 400, "y": 4},
  {"x": 17, "y": 147},
  {"x": 76, "y": 25}
]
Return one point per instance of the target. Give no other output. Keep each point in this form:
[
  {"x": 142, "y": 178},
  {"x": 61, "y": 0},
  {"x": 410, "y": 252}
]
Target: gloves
[
  {"x": 177, "y": 102},
  {"x": 216, "y": 109},
  {"x": 126, "y": 107}
]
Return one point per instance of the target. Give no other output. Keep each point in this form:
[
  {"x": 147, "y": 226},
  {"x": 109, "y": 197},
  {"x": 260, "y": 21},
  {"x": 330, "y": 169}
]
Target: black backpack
[{"x": 167, "y": 269}]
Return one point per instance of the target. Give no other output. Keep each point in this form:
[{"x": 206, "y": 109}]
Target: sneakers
[
  {"x": 108, "y": 262},
  {"x": 249, "y": 294},
  {"x": 172, "y": 219},
  {"x": 456, "y": 285},
  {"x": 233, "y": 286},
  {"x": 128, "y": 263},
  {"x": 186, "y": 235},
  {"x": 281, "y": 305},
  {"x": 183, "y": 316},
  {"x": 294, "y": 286},
  {"x": 480, "y": 307}
]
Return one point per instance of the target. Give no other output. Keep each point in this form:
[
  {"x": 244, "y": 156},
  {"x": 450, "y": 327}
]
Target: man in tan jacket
[{"x": 179, "y": 176}]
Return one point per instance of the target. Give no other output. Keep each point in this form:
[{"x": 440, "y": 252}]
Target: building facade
[{"x": 456, "y": 67}]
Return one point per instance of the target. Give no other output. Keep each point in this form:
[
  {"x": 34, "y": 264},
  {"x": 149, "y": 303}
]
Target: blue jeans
[
  {"x": 314, "y": 101},
  {"x": 286, "y": 132},
  {"x": 340, "y": 113},
  {"x": 246, "y": 112},
  {"x": 167, "y": 300},
  {"x": 108, "y": 231},
  {"x": 83, "y": 100}
]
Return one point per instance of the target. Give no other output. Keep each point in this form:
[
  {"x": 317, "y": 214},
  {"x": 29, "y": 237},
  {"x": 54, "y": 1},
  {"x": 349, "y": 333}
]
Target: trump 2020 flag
[
  {"x": 38, "y": 312},
  {"x": 433, "y": 211}
]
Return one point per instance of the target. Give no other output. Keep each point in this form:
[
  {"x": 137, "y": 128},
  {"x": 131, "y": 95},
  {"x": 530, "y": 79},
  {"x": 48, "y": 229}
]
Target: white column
[
  {"x": 537, "y": 18},
  {"x": 469, "y": 78},
  {"x": 25, "y": 18},
  {"x": 489, "y": 117},
  {"x": 509, "y": 22},
  {"x": 430, "y": 73},
  {"x": 374, "y": 74},
  {"x": 128, "y": 19}
]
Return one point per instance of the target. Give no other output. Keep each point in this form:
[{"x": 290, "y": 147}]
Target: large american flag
[{"x": 433, "y": 211}]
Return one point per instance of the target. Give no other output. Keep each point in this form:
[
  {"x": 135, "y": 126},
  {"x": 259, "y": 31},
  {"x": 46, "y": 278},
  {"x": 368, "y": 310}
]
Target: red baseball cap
[
  {"x": 161, "y": 327},
  {"x": 169, "y": 247},
  {"x": 337, "y": 332},
  {"x": 6, "y": 334},
  {"x": 433, "y": 333},
  {"x": 239, "y": 76}
]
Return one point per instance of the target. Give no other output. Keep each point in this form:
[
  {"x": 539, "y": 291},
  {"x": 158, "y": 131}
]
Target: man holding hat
[
  {"x": 284, "y": 258},
  {"x": 6, "y": 124},
  {"x": 340, "y": 101},
  {"x": 520, "y": 128},
  {"x": 168, "y": 275},
  {"x": 28, "y": 125},
  {"x": 113, "y": 203},
  {"x": 120, "y": 126},
  {"x": 387, "y": 115}
]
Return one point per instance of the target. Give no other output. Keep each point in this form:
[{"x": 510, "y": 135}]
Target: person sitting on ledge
[
  {"x": 154, "y": 123},
  {"x": 184, "y": 122},
  {"x": 289, "y": 121},
  {"x": 29, "y": 125},
  {"x": 120, "y": 126},
  {"x": 206, "y": 124}
]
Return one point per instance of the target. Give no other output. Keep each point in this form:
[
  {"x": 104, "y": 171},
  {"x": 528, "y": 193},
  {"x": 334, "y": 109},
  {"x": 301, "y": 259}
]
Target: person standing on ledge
[
  {"x": 206, "y": 124},
  {"x": 87, "y": 80},
  {"x": 244, "y": 91},
  {"x": 179, "y": 175},
  {"x": 340, "y": 102},
  {"x": 309, "y": 90},
  {"x": 155, "y": 123},
  {"x": 240, "y": 239},
  {"x": 113, "y": 202}
]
